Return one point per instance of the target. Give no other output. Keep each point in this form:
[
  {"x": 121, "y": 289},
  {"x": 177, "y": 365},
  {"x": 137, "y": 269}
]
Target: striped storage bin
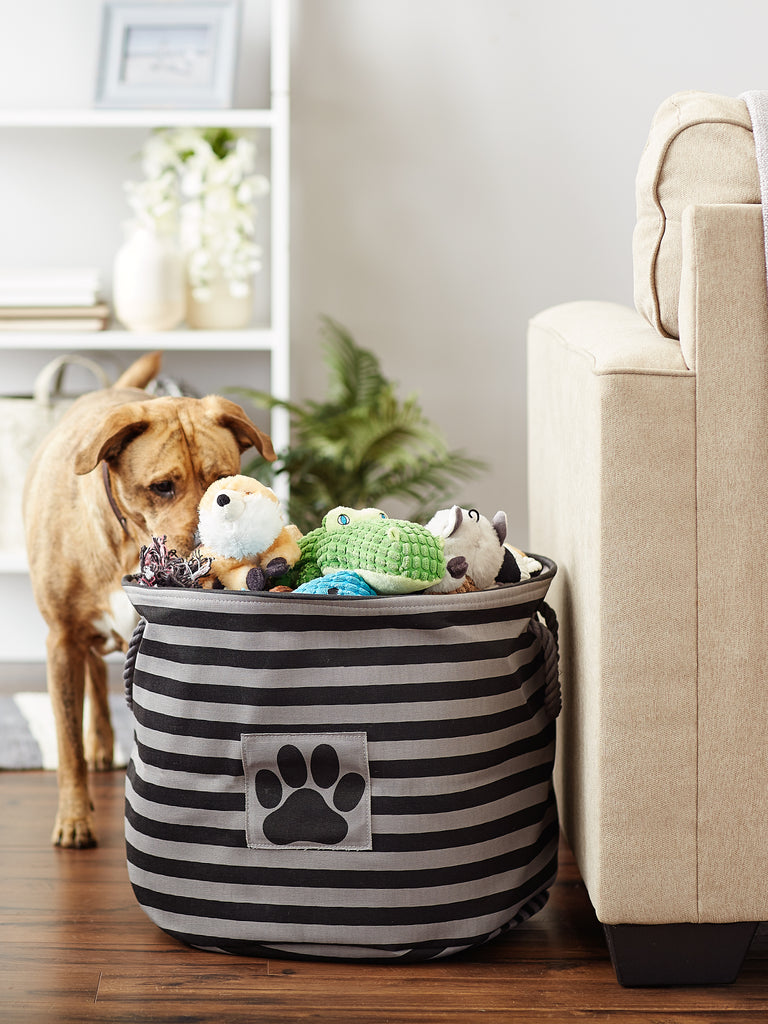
[{"x": 342, "y": 777}]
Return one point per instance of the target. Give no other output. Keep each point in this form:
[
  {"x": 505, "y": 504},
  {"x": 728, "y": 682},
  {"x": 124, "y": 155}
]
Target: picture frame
[{"x": 168, "y": 55}]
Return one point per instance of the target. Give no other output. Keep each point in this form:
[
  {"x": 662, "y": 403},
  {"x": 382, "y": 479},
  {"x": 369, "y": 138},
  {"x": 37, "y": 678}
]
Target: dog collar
[{"x": 111, "y": 498}]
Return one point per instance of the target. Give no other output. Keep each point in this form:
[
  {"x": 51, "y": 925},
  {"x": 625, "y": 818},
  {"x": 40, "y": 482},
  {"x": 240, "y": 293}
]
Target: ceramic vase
[
  {"x": 222, "y": 310},
  {"x": 148, "y": 282}
]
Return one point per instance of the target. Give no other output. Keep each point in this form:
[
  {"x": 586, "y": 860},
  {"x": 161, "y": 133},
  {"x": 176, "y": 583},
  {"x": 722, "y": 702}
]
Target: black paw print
[{"x": 305, "y": 815}]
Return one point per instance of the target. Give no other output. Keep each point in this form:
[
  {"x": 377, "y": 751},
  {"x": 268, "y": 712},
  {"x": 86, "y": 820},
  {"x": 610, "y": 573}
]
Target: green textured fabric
[
  {"x": 394, "y": 556},
  {"x": 306, "y": 569}
]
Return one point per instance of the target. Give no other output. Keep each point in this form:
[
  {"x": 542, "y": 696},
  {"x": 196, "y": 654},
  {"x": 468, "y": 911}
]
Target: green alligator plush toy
[{"x": 394, "y": 556}]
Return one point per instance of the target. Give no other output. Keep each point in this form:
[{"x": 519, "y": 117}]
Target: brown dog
[{"x": 120, "y": 467}]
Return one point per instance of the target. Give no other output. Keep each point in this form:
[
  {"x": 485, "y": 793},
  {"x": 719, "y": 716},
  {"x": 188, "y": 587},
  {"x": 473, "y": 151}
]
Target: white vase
[
  {"x": 222, "y": 311},
  {"x": 148, "y": 282}
]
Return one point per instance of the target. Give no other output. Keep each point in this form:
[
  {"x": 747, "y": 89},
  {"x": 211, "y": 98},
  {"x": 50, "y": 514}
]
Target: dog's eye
[{"x": 163, "y": 488}]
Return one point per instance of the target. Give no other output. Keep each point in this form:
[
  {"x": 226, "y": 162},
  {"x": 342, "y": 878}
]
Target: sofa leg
[{"x": 678, "y": 954}]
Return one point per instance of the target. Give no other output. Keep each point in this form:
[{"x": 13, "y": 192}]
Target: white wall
[
  {"x": 457, "y": 165},
  {"x": 461, "y": 164}
]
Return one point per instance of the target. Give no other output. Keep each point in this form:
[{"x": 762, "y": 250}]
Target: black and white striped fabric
[{"x": 341, "y": 777}]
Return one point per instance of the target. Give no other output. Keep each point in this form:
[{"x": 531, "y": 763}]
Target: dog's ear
[
  {"x": 116, "y": 430},
  {"x": 230, "y": 415}
]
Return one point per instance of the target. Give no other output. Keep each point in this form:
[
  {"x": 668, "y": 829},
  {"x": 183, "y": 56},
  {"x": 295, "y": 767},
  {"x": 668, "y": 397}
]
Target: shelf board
[
  {"x": 13, "y": 562},
  {"x": 87, "y": 117},
  {"x": 253, "y": 339}
]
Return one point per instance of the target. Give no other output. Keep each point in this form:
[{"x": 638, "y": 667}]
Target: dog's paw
[
  {"x": 74, "y": 833},
  {"x": 99, "y": 748},
  {"x": 74, "y": 828},
  {"x": 100, "y": 761}
]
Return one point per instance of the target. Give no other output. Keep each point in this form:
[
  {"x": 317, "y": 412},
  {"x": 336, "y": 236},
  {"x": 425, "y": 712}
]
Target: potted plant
[{"x": 360, "y": 446}]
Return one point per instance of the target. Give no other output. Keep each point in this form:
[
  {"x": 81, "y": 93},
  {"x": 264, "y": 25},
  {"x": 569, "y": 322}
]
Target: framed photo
[{"x": 174, "y": 54}]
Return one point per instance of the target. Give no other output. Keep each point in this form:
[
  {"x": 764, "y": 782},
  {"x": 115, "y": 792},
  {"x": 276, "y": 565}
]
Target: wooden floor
[{"x": 74, "y": 946}]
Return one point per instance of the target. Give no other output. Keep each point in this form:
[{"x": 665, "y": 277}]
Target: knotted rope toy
[{"x": 160, "y": 566}]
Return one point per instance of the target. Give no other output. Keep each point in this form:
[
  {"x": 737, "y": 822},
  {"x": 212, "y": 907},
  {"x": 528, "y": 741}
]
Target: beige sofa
[{"x": 648, "y": 478}]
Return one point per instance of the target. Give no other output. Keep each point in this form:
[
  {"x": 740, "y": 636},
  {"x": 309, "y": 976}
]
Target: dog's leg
[
  {"x": 66, "y": 685},
  {"x": 100, "y": 739}
]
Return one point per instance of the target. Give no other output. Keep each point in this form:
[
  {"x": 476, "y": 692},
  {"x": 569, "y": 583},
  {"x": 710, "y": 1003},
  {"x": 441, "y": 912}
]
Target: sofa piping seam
[
  {"x": 661, "y": 229},
  {"x": 696, "y": 569}
]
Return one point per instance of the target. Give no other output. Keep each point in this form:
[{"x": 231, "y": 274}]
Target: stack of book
[{"x": 52, "y": 300}]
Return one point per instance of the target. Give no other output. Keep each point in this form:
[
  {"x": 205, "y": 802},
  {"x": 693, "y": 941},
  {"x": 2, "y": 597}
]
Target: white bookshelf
[
  {"x": 249, "y": 339},
  {"x": 87, "y": 117},
  {"x": 14, "y": 563},
  {"x": 272, "y": 338}
]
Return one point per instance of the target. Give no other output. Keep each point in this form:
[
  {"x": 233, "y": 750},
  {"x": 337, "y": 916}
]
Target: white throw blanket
[
  {"x": 28, "y": 731},
  {"x": 757, "y": 105}
]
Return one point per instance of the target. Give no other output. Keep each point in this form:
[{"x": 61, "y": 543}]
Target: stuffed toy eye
[{"x": 343, "y": 519}]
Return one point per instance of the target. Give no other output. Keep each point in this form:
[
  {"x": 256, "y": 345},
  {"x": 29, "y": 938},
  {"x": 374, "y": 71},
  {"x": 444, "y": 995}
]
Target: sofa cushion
[{"x": 700, "y": 150}]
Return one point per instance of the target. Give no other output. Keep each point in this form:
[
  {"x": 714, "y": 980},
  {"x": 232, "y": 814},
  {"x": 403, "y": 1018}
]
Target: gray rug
[{"x": 28, "y": 733}]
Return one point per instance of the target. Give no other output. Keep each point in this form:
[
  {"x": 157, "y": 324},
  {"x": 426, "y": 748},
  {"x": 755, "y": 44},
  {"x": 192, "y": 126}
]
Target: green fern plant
[{"x": 361, "y": 446}]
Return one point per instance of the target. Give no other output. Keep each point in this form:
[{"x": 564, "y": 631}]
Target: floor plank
[{"x": 75, "y": 946}]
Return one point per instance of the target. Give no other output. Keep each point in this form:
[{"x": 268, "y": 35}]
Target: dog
[{"x": 120, "y": 467}]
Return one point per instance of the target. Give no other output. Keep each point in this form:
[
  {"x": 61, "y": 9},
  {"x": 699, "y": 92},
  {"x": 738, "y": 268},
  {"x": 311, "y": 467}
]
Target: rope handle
[
  {"x": 130, "y": 660},
  {"x": 547, "y": 632}
]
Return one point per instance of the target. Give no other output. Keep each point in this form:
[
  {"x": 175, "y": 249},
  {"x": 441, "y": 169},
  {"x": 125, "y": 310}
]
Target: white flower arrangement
[{"x": 201, "y": 184}]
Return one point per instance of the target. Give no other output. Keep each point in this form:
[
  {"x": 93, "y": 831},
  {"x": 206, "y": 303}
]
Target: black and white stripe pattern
[{"x": 414, "y": 728}]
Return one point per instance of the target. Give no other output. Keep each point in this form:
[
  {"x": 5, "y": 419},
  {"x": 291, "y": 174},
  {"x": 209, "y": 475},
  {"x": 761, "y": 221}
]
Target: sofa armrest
[
  {"x": 723, "y": 297},
  {"x": 724, "y": 335},
  {"x": 648, "y": 485},
  {"x": 611, "y": 337},
  {"x": 612, "y": 499}
]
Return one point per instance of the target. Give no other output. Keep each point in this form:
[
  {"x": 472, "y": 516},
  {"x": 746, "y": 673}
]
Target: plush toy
[
  {"x": 243, "y": 532},
  {"x": 307, "y": 569},
  {"x": 341, "y": 516},
  {"x": 393, "y": 556},
  {"x": 517, "y": 566},
  {"x": 481, "y": 542},
  {"x": 343, "y": 583}
]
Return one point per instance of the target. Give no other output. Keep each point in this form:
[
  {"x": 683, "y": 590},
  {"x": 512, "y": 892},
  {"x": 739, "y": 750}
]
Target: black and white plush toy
[{"x": 482, "y": 542}]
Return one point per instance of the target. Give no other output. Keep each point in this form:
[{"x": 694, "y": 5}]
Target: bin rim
[{"x": 549, "y": 569}]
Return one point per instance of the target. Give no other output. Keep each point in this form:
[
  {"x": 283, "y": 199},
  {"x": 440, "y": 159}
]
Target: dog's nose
[{"x": 223, "y": 499}]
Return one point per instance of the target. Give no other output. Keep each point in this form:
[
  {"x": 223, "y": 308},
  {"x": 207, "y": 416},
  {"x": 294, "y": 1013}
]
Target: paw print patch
[{"x": 307, "y": 792}]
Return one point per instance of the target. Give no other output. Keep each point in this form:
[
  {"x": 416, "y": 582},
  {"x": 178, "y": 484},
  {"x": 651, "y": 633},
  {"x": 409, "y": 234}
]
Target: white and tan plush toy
[
  {"x": 481, "y": 542},
  {"x": 243, "y": 532}
]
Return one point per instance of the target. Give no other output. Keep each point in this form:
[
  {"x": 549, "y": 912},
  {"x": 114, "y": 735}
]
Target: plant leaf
[{"x": 361, "y": 445}]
